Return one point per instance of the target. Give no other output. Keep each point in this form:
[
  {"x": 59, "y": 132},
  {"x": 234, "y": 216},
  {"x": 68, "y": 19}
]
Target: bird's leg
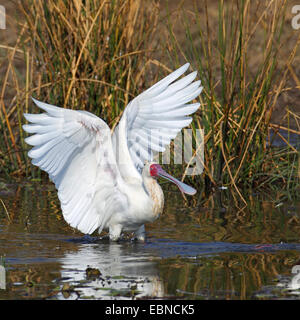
[
  {"x": 140, "y": 234},
  {"x": 115, "y": 232}
]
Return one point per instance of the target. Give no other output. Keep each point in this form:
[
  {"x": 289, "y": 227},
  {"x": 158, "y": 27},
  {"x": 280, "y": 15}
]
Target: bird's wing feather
[
  {"x": 75, "y": 149},
  {"x": 155, "y": 117}
]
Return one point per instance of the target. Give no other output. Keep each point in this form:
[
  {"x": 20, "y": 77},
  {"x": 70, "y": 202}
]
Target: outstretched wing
[
  {"x": 155, "y": 117},
  {"x": 74, "y": 148}
]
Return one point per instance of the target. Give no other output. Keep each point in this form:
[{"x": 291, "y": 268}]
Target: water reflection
[
  {"x": 290, "y": 284},
  {"x": 125, "y": 272},
  {"x": 295, "y": 282},
  {"x": 200, "y": 249}
]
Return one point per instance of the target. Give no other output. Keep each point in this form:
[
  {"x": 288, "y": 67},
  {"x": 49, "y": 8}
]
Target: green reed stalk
[
  {"x": 77, "y": 54},
  {"x": 239, "y": 96}
]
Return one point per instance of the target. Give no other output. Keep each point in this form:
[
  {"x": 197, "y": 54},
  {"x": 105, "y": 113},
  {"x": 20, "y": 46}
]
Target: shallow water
[{"x": 210, "y": 250}]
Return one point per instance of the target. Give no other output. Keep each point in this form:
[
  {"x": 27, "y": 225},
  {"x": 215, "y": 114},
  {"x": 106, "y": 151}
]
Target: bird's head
[{"x": 154, "y": 170}]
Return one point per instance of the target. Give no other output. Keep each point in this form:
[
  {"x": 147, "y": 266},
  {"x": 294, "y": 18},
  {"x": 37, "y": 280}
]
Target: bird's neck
[
  {"x": 156, "y": 194},
  {"x": 150, "y": 185}
]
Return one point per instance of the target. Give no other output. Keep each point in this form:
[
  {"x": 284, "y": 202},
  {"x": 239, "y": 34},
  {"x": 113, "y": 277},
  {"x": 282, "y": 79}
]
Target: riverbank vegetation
[{"x": 98, "y": 56}]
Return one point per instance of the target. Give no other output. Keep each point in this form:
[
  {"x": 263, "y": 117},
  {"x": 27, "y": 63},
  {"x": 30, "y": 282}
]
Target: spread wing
[
  {"x": 75, "y": 149},
  {"x": 155, "y": 117}
]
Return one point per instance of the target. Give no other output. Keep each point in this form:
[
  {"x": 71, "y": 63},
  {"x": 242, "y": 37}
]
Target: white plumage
[{"x": 102, "y": 179}]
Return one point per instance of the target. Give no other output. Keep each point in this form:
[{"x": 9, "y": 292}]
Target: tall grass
[
  {"x": 94, "y": 55},
  {"x": 241, "y": 90},
  {"x": 86, "y": 55}
]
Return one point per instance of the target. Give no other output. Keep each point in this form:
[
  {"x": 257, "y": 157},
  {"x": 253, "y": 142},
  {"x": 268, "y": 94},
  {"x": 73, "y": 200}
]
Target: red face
[{"x": 154, "y": 169}]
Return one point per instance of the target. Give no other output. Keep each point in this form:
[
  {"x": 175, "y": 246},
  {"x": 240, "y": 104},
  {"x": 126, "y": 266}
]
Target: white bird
[{"x": 104, "y": 180}]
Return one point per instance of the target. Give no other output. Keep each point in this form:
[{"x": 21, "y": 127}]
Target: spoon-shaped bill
[{"x": 182, "y": 186}]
